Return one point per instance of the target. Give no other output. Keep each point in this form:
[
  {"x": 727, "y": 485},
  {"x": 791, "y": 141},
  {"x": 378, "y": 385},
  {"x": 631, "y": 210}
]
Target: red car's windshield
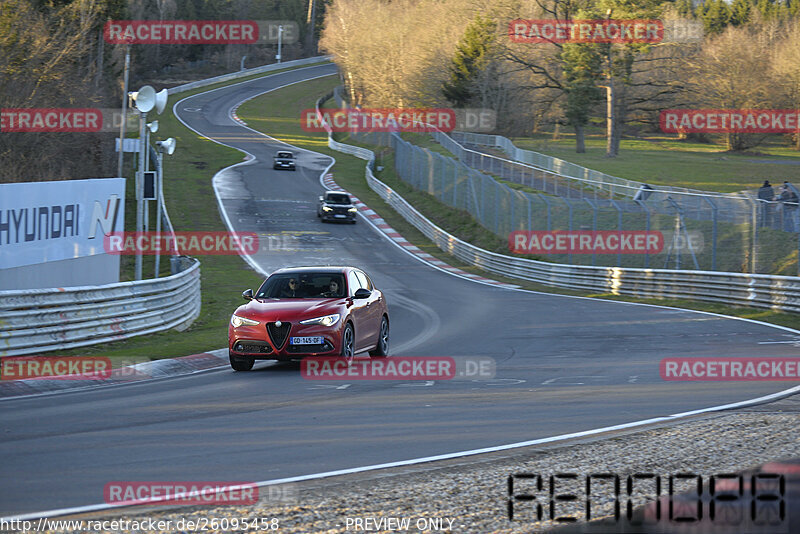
[
  {"x": 302, "y": 285},
  {"x": 339, "y": 199}
]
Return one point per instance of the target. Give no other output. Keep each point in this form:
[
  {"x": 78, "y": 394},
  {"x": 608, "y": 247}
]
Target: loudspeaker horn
[
  {"x": 167, "y": 145},
  {"x": 161, "y": 100},
  {"x": 144, "y": 98},
  {"x": 153, "y": 126}
]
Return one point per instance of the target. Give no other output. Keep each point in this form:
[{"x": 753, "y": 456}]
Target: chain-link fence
[
  {"x": 753, "y": 236},
  {"x": 699, "y": 230}
]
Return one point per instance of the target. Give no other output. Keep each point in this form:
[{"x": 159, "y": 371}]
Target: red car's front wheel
[
  {"x": 348, "y": 343},
  {"x": 241, "y": 364}
]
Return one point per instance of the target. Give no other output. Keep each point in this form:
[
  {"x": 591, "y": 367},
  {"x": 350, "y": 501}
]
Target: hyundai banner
[{"x": 50, "y": 221}]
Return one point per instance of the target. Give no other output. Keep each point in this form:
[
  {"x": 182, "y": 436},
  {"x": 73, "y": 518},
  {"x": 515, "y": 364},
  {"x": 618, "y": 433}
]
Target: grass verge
[{"x": 662, "y": 159}]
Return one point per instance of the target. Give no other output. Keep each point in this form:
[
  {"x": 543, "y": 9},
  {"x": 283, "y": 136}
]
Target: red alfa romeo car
[{"x": 309, "y": 311}]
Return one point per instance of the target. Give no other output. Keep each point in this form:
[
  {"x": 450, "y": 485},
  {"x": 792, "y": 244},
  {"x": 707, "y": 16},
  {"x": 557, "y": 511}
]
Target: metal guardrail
[
  {"x": 753, "y": 290},
  {"x": 246, "y": 72},
  {"x": 40, "y": 320}
]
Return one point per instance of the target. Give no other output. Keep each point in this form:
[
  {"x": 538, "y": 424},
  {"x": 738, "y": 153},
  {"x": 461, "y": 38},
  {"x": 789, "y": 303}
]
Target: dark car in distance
[
  {"x": 336, "y": 206},
  {"x": 283, "y": 160},
  {"x": 304, "y": 312}
]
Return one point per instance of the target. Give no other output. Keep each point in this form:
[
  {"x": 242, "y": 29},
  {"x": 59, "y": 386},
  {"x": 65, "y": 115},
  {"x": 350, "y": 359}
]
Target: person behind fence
[
  {"x": 788, "y": 200},
  {"x": 767, "y": 194}
]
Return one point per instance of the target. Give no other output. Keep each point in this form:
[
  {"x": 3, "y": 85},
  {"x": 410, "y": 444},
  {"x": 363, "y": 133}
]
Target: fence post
[
  {"x": 496, "y": 208},
  {"x": 483, "y": 201},
  {"x": 442, "y": 163},
  {"x": 569, "y": 256},
  {"x": 713, "y": 233},
  {"x": 546, "y": 203},
  {"x": 647, "y": 229},
  {"x": 755, "y": 238},
  {"x": 797, "y": 229},
  {"x": 455, "y": 185},
  {"x": 619, "y": 229},
  {"x": 513, "y": 200},
  {"x": 594, "y": 226},
  {"x": 530, "y": 209}
]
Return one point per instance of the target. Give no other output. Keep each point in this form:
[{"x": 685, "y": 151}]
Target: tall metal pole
[
  {"x": 145, "y": 169},
  {"x": 280, "y": 40},
  {"x": 140, "y": 186},
  {"x": 159, "y": 201},
  {"x": 124, "y": 109}
]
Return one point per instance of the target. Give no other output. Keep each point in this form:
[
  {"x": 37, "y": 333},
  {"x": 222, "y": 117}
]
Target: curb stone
[{"x": 165, "y": 368}]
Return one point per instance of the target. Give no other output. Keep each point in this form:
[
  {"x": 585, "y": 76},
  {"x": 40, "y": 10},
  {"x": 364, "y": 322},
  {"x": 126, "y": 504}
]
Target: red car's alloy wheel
[
  {"x": 382, "y": 348},
  {"x": 348, "y": 344}
]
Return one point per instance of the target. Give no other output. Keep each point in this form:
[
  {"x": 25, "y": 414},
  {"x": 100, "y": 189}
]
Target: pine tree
[
  {"x": 582, "y": 65},
  {"x": 765, "y": 7},
  {"x": 740, "y": 12},
  {"x": 684, "y": 7},
  {"x": 716, "y": 17},
  {"x": 472, "y": 56}
]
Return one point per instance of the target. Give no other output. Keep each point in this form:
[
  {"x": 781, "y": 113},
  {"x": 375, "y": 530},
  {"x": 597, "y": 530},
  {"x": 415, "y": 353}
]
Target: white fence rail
[
  {"x": 754, "y": 290},
  {"x": 40, "y": 320}
]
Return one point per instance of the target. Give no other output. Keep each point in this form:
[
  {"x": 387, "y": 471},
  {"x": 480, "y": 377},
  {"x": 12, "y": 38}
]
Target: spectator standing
[
  {"x": 767, "y": 195},
  {"x": 788, "y": 200}
]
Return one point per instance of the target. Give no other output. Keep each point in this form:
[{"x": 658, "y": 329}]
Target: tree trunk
[
  {"x": 98, "y": 74},
  {"x": 580, "y": 146},
  {"x": 612, "y": 128},
  {"x": 557, "y": 131},
  {"x": 311, "y": 18}
]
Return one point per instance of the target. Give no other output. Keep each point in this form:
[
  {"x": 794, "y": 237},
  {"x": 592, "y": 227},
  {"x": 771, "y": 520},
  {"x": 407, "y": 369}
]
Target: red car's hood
[{"x": 290, "y": 310}]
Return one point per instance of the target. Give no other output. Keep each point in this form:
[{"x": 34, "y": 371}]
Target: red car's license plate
[{"x": 307, "y": 340}]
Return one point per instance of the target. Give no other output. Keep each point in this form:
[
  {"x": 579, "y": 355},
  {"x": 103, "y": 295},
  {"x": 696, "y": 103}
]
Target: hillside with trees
[
  {"x": 458, "y": 53},
  {"x": 53, "y": 55}
]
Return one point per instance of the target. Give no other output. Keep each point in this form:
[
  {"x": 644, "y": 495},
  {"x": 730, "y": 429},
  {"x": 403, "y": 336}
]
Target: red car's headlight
[
  {"x": 237, "y": 321},
  {"x": 328, "y": 320}
]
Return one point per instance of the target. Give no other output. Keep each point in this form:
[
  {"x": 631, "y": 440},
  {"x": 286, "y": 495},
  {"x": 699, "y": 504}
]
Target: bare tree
[
  {"x": 731, "y": 73},
  {"x": 786, "y": 66}
]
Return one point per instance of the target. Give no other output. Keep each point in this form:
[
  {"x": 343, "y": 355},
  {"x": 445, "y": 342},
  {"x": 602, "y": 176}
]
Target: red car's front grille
[{"x": 278, "y": 334}]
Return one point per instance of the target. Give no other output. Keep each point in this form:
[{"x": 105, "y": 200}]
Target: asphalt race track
[{"x": 563, "y": 364}]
